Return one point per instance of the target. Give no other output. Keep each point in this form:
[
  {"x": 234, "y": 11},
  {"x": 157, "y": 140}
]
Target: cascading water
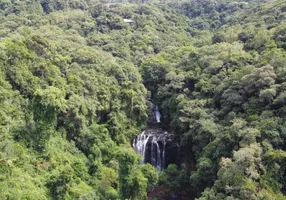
[
  {"x": 164, "y": 152},
  {"x": 156, "y": 156},
  {"x": 139, "y": 144},
  {"x": 157, "y": 114},
  {"x": 152, "y": 149},
  {"x": 151, "y": 143}
]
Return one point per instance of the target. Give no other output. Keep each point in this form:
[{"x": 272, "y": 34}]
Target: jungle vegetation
[{"x": 74, "y": 82}]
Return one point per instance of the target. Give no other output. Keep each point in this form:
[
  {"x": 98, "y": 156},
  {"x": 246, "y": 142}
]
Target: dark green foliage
[
  {"x": 74, "y": 79},
  {"x": 225, "y": 99},
  {"x": 170, "y": 177},
  {"x": 65, "y": 108}
]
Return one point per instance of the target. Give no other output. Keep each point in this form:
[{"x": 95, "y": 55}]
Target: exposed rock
[{"x": 155, "y": 144}]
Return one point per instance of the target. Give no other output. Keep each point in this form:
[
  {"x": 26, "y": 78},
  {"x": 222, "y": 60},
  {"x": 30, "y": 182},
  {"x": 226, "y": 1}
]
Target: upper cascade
[{"x": 157, "y": 114}]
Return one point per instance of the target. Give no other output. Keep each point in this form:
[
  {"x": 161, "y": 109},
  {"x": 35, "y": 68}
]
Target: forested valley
[{"x": 77, "y": 78}]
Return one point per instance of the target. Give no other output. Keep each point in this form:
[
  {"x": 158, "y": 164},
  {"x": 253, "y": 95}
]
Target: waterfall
[
  {"x": 164, "y": 152},
  {"x": 159, "y": 158},
  {"x": 153, "y": 152},
  {"x": 156, "y": 156},
  {"x": 157, "y": 114},
  {"x": 139, "y": 144},
  {"x": 151, "y": 144},
  {"x": 152, "y": 148}
]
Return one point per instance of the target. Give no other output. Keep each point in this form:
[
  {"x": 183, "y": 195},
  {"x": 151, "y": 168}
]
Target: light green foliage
[
  {"x": 225, "y": 98},
  {"x": 73, "y": 84},
  {"x": 65, "y": 108}
]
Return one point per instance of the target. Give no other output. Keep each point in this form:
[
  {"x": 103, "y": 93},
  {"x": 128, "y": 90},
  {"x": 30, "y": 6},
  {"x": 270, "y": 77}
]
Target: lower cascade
[{"x": 152, "y": 147}]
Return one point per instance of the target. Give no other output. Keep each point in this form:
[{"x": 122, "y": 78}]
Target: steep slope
[
  {"x": 74, "y": 80},
  {"x": 224, "y": 99}
]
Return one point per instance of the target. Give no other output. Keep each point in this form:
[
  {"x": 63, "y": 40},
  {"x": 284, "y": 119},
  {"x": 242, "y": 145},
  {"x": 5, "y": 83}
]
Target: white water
[
  {"x": 156, "y": 156},
  {"x": 139, "y": 144},
  {"x": 157, "y": 114},
  {"x": 156, "y": 151},
  {"x": 164, "y": 152},
  {"x": 151, "y": 143},
  {"x": 159, "y": 157}
]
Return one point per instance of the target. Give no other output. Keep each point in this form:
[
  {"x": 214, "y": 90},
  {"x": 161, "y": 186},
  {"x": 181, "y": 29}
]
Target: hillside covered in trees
[{"x": 75, "y": 79}]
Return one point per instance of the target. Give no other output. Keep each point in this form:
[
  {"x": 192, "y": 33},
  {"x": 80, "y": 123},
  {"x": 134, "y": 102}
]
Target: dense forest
[{"x": 75, "y": 81}]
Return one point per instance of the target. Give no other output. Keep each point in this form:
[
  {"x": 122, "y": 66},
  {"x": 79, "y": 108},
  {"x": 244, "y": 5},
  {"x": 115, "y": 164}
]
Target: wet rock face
[
  {"x": 157, "y": 147},
  {"x": 155, "y": 144},
  {"x": 172, "y": 153},
  {"x": 171, "y": 145}
]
